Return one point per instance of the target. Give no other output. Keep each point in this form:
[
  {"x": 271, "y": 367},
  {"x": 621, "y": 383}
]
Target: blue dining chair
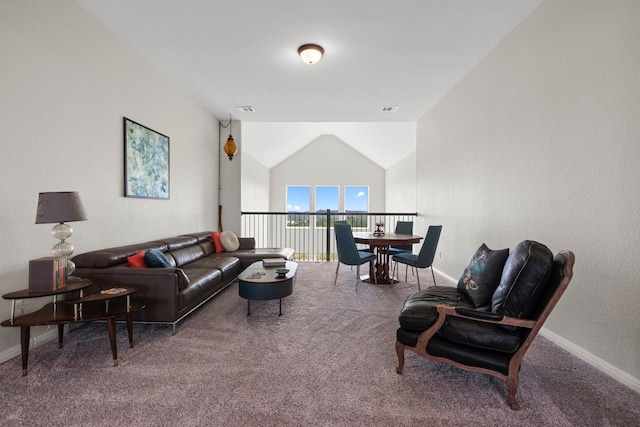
[
  {"x": 402, "y": 227},
  {"x": 348, "y": 252},
  {"x": 424, "y": 259}
]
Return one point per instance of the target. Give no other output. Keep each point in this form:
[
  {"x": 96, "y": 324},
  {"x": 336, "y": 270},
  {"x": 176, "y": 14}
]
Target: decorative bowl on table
[
  {"x": 379, "y": 229},
  {"x": 282, "y": 272}
]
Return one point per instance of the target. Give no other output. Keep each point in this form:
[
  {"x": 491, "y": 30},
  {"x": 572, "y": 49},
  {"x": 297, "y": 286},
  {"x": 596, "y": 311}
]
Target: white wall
[
  {"x": 385, "y": 143},
  {"x": 400, "y": 186},
  {"x": 255, "y": 185},
  {"x": 540, "y": 141},
  {"x": 65, "y": 84},
  {"x": 327, "y": 161},
  {"x": 255, "y": 197},
  {"x": 230, "y": 180}
]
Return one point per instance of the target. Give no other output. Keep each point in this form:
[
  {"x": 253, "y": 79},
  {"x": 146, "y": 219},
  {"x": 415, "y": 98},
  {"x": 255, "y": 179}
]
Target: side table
[
  {"x": 257, "y": 282},
  {"x": 106, "y": 305}
]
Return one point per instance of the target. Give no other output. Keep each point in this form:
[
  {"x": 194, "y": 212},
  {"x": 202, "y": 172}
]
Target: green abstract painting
[{"x": 146, "y": 158}]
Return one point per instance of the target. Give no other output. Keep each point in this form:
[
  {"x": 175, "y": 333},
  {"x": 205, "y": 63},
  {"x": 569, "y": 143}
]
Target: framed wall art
[{"x": 146, "y": 162}]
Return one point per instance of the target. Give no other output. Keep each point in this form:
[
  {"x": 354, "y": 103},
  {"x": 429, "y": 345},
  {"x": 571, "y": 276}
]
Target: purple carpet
[{"x": 329, "y": 360}]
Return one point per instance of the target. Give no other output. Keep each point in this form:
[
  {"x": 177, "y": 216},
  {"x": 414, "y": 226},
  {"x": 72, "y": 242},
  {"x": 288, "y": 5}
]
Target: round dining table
[{"x": 379, "y": 244}]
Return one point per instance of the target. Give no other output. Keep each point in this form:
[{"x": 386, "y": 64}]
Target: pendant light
[{"x": 230, "y": 147}]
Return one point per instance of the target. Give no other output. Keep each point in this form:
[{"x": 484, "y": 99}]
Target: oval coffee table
[{"x": 262, "y": 283}]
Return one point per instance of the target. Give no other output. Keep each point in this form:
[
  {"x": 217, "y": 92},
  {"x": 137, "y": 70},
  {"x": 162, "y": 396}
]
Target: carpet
[{"x": 329, "y": 360}]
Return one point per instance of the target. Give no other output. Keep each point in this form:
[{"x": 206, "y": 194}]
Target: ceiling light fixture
[{"x": 310, "y": 53}]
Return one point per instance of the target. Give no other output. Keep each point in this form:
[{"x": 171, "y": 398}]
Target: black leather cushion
[
  {"x": 419, "y": 310},
  {"x": 482, "y": 276},
  {"x": 470, "y": 356},
  {"x": 407, "y": 337},
  {"x": 524, "y": 277},
  {"x": 155, "y": 259},
  {"x": 174, "y": 243},
  {"x": 185, "y": 256},
  {"x": 202, "y": 283},
  {"x": 229, "y": 266},
  {"x": 480, "y": 334}
]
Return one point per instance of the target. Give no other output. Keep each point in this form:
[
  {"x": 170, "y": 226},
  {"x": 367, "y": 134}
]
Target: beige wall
[
  {"x": 327, "y": 161},
  {"x": 65, "y": 84},
  {"x": 540, "y": 141},
  {"x": 255, "y": 185},
  {"x": 230, "y": 179},
  {"x": 400, "y": 186}
]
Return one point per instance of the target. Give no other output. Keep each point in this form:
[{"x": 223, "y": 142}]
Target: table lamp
[{"x": 59, "y": 208}]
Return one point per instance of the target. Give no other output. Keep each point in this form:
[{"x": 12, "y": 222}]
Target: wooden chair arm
[
  {"x": 482, "y": 316},
  {"x": 446, "y": 310}
]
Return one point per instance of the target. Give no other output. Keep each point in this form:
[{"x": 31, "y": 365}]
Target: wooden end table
[{"x": 106, "y": 305}]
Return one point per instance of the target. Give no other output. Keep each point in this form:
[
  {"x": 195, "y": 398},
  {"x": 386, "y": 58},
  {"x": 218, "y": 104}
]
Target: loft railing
[{"x": 311, "y": 233}]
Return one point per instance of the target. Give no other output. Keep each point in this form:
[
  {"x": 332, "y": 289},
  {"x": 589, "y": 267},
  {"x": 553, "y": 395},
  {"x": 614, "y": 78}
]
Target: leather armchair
[{"x": 444, "y": 324}]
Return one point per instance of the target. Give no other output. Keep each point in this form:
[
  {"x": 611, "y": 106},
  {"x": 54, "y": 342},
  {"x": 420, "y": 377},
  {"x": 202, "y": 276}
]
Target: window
[
  {"x": 298, "y": 205},
  {"x": 327, "y": 197},
  {"x": 356, "y": 200}
]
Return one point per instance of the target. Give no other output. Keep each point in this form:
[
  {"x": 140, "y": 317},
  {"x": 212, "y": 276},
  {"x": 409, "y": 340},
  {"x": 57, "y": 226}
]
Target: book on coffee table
[{"x": 274, "y": 262}]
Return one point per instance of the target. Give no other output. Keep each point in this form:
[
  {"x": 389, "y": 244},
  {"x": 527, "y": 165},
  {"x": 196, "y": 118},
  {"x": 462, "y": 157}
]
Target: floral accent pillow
[{"x": 482, "y": 276}]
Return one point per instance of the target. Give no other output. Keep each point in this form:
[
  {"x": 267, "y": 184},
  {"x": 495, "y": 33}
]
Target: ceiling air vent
[
  {"x": 246, "y": 108},
  {"x": 389, "y": 109}
]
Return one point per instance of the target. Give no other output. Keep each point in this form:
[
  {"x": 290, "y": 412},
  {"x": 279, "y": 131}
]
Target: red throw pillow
[
  {"x": 137, "y": 260},
  {"x": 215, "y": 236}
]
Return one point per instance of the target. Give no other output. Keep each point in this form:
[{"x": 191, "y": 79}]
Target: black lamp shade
[{"x": 56, "y": 207}]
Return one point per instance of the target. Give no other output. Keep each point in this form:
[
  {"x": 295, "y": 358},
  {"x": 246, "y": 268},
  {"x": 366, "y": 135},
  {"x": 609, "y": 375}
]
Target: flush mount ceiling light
[{"x": 310, "y": 53}]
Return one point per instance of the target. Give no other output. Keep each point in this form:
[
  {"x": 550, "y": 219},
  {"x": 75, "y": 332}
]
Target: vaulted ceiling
[{"x": 378, "y": 53}]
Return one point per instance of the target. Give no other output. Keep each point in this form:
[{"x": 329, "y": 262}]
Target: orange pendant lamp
[{"x": 230, "y": 147}]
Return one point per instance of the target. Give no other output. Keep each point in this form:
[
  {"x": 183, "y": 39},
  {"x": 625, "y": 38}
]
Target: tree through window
[
  {"x": 298, "y": 205},
  {"x": 356, "y": 200}
]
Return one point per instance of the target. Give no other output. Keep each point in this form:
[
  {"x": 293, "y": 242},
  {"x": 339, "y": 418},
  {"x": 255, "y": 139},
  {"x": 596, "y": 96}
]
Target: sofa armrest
[
  {"x": 157, "y": 288},
  {"x": 247, "y": 242}
]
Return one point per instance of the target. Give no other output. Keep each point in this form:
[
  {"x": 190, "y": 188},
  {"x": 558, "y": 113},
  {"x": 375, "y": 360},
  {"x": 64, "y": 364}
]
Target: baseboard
[
  {"x": 37, "y": 341},
  {"x": 596, "y": 362},
  {"x": 451, "y": 280}
]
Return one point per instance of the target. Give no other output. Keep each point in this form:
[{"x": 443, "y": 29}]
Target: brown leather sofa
[{"x": 197, "y": 273}]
